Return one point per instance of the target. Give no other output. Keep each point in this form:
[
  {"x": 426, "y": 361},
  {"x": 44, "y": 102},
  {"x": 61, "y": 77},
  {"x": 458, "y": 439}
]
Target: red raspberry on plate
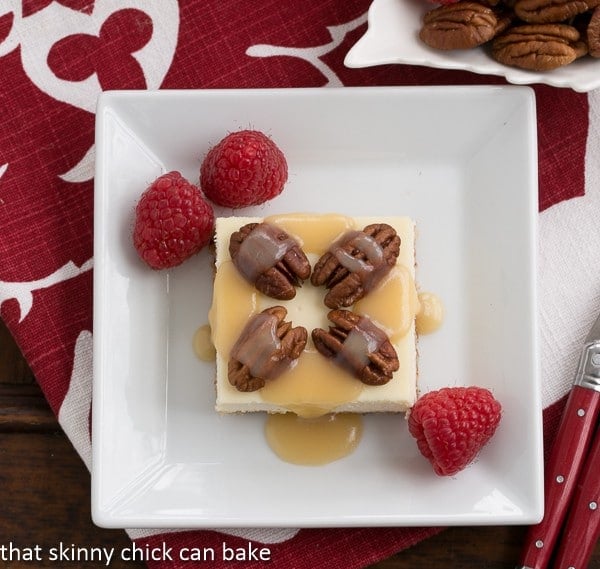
[
  {"x": 173, "y": 221},
  {"x": 244, "y": 168},
  {"x": 451, "y": 426}
]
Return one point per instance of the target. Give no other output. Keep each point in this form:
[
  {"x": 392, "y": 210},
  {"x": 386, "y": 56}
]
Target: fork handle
[
  {"x": 582, "y": 528},
  {"x": 576, "y": 427}
]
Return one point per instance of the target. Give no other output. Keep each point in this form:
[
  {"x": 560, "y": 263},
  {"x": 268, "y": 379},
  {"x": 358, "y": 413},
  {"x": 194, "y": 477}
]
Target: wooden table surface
[{"x": 45, "y": 489}]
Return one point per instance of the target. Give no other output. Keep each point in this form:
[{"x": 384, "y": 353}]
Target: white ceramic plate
[
  {"x": 392, "y": 37},
  {"x": 462, "y": 163}
]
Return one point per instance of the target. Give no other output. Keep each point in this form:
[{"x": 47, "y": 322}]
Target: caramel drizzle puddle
[{"x": 313, "y": 442}]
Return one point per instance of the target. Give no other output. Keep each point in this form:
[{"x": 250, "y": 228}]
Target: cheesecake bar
[{"x": 247, "y": 307}]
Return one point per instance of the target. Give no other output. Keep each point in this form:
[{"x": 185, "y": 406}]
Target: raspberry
[
  {"x": 244, "y": 168},
  {"x": 452, "y": 425},
  {"x": 173, "y": 221}
]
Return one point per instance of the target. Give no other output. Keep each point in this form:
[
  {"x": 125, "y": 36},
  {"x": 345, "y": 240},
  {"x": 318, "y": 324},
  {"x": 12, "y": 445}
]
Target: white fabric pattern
[
  {"x": 74, "y": 412},
  {"x": 22, "y": 292},
  {"x": 569, "y": 273},
  {"x": 37, "y": 33}
]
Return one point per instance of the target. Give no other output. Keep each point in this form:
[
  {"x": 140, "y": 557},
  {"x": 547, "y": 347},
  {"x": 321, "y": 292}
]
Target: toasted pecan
[
  {"x": 270, "y": 259},
  {"x": 357, "y": 344},
  {"x": 356, "y": 263},
  {"x": 266, "y": 347}
]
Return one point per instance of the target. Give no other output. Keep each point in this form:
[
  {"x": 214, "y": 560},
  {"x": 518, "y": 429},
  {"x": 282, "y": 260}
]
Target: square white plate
[
  {"x": 462, "y": 163},
  {"x": 393, "y": 37}
]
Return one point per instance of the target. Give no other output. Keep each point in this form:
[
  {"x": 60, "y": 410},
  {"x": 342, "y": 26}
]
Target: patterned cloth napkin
[{"x": 57, "y": 56}]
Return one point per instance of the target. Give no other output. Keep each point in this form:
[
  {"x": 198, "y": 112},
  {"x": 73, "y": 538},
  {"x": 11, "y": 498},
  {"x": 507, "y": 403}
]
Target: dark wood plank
[
  {"x": 462, "y": 547},
  {"x": 24, "y": 409},
  {"x": 13, "y": 367},
  {"x": 45, "y": 500}
]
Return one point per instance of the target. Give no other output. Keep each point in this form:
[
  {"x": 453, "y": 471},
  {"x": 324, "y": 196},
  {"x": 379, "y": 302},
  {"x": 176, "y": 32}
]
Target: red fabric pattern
[
  {"x": 30, "y": 7},
  {"x": 6, "y": 24},
  {"x": 109, "y": 54}
]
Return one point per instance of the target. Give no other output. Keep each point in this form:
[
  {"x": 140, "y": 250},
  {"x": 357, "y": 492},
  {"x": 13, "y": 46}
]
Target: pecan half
[
  {"x": 358, "y": 345},
  {"x": 267, "y": 347},
  {"x": 551, "y": 11},
  {"x": 538, "y": 47},
  {"x": 462, "y": 25},
  {"x": 356, "y": 263},
  {"x": 593, "y": 33},
  {"x": 270, "y": 259}
]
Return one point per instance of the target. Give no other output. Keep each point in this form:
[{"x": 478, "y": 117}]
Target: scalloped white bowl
[{"x": 393, "y": 37}]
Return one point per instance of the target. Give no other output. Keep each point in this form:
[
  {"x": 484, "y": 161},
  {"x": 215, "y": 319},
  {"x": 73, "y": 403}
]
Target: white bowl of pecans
[{"x": 556, "y": 42}]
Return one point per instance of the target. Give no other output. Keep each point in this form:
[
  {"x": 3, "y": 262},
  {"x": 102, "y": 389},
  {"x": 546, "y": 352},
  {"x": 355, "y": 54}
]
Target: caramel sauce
[
  {"x": 431, "y": 314},
  {"x": 232, "y": 315},
  {"x": 393, "y": 305},
  {"x": 202, "y": 344},
  {"x": 314, "y": 384},
  {"x": 315, "y": 441},
  {"x": 315, "y": 233}
]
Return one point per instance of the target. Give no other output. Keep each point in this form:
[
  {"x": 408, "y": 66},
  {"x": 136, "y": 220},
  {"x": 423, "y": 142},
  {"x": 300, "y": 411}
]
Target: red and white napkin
[{"x": 57, "y": 56}]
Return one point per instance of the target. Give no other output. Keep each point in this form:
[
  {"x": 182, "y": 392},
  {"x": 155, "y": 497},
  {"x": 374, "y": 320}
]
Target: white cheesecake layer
[{"x": 233, "y": 305}]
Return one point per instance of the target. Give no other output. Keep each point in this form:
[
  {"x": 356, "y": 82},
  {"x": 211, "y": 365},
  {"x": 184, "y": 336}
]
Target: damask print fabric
[{"x": 57, "y": 56}]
